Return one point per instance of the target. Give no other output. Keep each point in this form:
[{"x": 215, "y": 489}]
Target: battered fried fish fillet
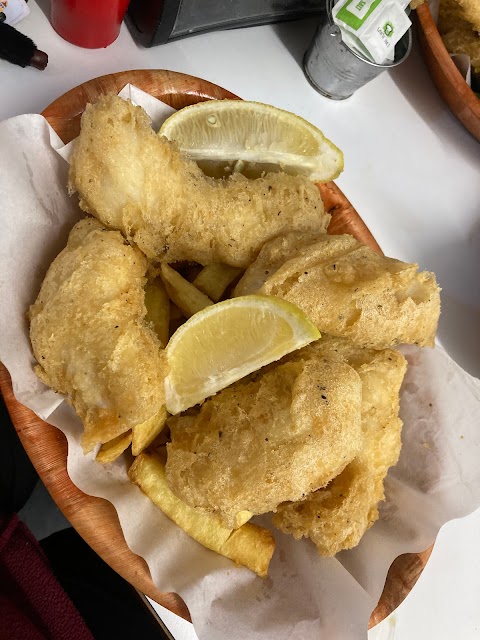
[
  {"x": 348, "y": 290},
  {"x": 271, "y": 257},
  {"x": 89, "y": 336},
  {"x": 138, "y": 182},
  {"x": 274, "y": 436},
  {"x": 337, "y": 516}
]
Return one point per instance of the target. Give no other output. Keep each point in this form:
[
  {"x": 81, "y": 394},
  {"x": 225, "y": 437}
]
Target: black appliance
[{"x": 153, "y": 22}]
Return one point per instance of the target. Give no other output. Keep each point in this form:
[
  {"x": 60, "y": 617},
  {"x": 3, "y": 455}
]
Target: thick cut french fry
[
  {"x": 145, "y": 433},
  {"x": 158, "y": 309},
  {"x": 175, "y": 313},
  {"x": 176, "y": 318},
  {"x": 250, "y": 545},
  {"x": 215, "y": 278},
  {"x": 148, "y": 473},
  {"x": 187, "y": 297},
  {"x": 159, "y": 452},
  {"x": 242, "y": 518},
  {"x": 113, "y": 449},
  {"x": 191, "y": 272}
]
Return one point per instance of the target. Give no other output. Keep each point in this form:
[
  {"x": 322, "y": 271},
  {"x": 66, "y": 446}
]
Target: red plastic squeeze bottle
[{"x": 91, "y": 24}]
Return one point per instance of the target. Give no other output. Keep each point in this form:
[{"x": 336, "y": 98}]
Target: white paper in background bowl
[
  {"x": 305, "y": 596},
  {"x": 434, "y": 7}
]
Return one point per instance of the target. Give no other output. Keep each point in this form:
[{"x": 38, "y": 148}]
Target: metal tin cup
[{"x": 335, "y": 70}]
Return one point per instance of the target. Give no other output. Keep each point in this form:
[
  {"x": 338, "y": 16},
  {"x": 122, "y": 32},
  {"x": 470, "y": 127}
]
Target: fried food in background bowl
[
  {"x": 308, "y": 438},
  {"x": 459, "y": 26},
  {"x": 457, "y": 32}
]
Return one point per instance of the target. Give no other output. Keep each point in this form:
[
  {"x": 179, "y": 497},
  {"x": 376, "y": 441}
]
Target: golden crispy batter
[
  {"x": 471, "y": 12},
  {"x": 271, "y": 257},
  {"x": 138, "y": 182},
  {"x": 459, "y": 24},
  {"x": 337, "y": 516},
  {"x": 274, "y": 436},
  {"x": 350, "y": 291},
  {"x": 89, "y": 336}
]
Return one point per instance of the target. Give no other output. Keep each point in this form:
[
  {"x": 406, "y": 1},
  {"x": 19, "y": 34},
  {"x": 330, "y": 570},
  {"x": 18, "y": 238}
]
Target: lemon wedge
[
  {"x": 226, "y": 341},
  {"x": 251, "y": 137}
]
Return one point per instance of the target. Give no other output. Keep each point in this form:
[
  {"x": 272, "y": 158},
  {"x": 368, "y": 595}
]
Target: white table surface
[{"x": 411, "y": 171}]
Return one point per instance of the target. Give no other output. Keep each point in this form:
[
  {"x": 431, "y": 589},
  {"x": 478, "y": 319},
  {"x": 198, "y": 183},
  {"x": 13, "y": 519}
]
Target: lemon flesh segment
[
  {"x": 249, "y": 134},
  {"x": 227, "y": 341}
]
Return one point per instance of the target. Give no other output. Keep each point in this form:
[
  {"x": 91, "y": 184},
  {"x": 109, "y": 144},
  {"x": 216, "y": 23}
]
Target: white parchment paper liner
[{"x": 306, "y": 596}]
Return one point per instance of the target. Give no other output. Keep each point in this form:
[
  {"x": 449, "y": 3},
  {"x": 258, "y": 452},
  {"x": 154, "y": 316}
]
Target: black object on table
[
  {"x": 19, "y": 49},
  {"x": 110, "y": 607}
]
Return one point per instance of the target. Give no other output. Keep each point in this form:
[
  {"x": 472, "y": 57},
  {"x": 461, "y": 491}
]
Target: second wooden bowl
[{"x": 461, "y": 100}]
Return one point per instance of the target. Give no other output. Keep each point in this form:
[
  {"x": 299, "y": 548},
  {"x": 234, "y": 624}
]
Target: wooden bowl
[
  {"x": 461, "y": 100},
  {"x": 95, "y": 519}
]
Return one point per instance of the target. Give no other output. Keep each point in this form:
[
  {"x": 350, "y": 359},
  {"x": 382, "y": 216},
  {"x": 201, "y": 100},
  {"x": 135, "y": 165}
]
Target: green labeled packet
[
  {"x": 373, "y": 26},
  {"x": 355, "y": 12}
]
